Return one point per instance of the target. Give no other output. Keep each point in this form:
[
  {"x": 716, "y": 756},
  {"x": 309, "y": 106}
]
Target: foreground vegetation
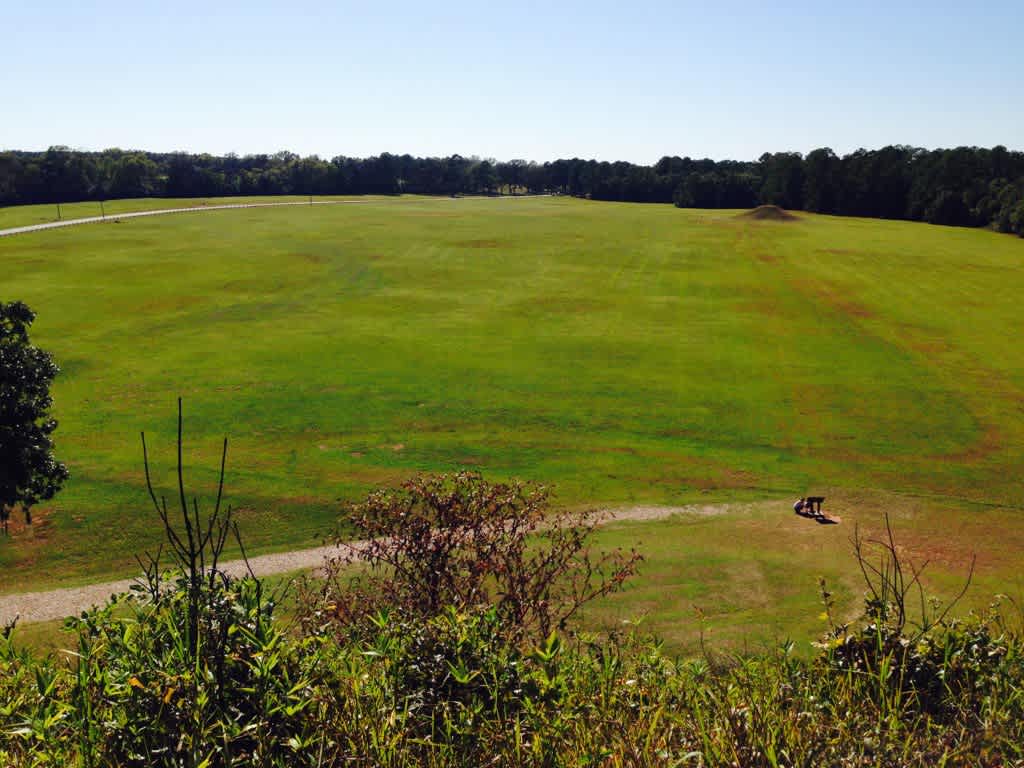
[
  {"x": 193, "y": 670},
  {"x": 443, "y": 691}
]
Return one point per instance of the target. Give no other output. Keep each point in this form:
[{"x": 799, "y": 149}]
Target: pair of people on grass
[{"x": 805, "y": 507}]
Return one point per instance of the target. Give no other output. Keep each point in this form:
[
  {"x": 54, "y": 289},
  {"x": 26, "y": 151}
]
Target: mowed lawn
[
  {"x": 624, "y": 354},
  {"x": 26, "y": 215}
]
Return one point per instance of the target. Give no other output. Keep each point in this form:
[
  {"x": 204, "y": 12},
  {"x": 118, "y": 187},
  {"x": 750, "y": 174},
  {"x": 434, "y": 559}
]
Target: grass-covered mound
[{"x": 769, "y": 213}]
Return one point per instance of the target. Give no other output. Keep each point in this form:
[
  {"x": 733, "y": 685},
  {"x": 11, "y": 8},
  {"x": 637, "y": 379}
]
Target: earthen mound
[{"x": 769, "y": 213}]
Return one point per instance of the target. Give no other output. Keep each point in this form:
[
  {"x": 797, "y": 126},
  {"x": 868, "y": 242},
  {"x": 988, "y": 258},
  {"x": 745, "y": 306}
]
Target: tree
[
  {"x": 512, "y": 174},
  {"x": 1017, "y": 219},
  {"x": 948, "y": 208},
  {"x": 135, "y": 176},
  {"x": 821, "y": 169},
  {"x": 968, "y": 186},
  {"x": 28, "y": 471},
  {"x": 783, "y": 179},
  {"x": 485, "y": 179}
]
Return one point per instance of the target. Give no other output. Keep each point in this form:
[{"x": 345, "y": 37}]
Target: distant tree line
[{"x": 965, "y": 186}]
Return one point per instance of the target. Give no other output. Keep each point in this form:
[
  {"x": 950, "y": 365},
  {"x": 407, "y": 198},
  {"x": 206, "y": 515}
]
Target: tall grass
[{"x": 443, "y": 692}]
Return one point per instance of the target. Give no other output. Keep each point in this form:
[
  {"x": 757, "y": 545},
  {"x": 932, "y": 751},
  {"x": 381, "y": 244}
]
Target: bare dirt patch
[
  {"x": 477, "y": 244},
  {"x": 768, "y": 306},
  {"x": 850, "y": 308},
  {"x": 618, "y": 449},
  {"x": 991, "y": 442},
  {"x": 928, "y": 345},
  {"x": 835, "y": 298},
  {"x": 654, "y": 512},
  {"x": 38, "y": 532}
]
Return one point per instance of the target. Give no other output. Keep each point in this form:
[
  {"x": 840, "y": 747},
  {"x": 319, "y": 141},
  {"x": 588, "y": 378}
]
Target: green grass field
[
  {"x": 622, "y": 353},
  {"x": 26, "y": 215}
]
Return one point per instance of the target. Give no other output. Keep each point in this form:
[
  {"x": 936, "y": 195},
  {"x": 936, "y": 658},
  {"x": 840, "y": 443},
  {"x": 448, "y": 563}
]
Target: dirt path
[{"x": 58, "y": 603}]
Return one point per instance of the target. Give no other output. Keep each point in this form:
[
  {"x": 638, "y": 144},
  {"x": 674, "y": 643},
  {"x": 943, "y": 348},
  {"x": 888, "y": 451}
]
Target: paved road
[
  {"x": 58, "y": 603},
  {"x": 137, "y": 214}
]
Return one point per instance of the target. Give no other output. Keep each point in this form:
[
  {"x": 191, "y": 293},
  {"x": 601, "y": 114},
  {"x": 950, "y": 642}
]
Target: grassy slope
[
  {"x": 624, "y": 353},
  {"x": 750, "y": 576}
]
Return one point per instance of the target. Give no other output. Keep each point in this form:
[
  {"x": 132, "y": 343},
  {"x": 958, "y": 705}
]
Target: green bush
[{"x": 150, "y": 699}]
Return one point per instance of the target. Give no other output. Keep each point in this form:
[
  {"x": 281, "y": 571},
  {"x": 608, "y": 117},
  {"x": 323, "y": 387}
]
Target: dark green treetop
[{"x": 29, "y": 473}]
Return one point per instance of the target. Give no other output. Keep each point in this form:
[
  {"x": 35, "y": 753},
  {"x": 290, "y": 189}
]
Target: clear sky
[{"x": 510, "y": 79}]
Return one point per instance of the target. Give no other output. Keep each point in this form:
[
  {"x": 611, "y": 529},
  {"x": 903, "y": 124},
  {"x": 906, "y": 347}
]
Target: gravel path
[{"x": 58, "y": 603}]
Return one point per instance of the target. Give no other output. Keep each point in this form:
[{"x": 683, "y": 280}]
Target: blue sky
[{"x": 532, "y": 80}]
